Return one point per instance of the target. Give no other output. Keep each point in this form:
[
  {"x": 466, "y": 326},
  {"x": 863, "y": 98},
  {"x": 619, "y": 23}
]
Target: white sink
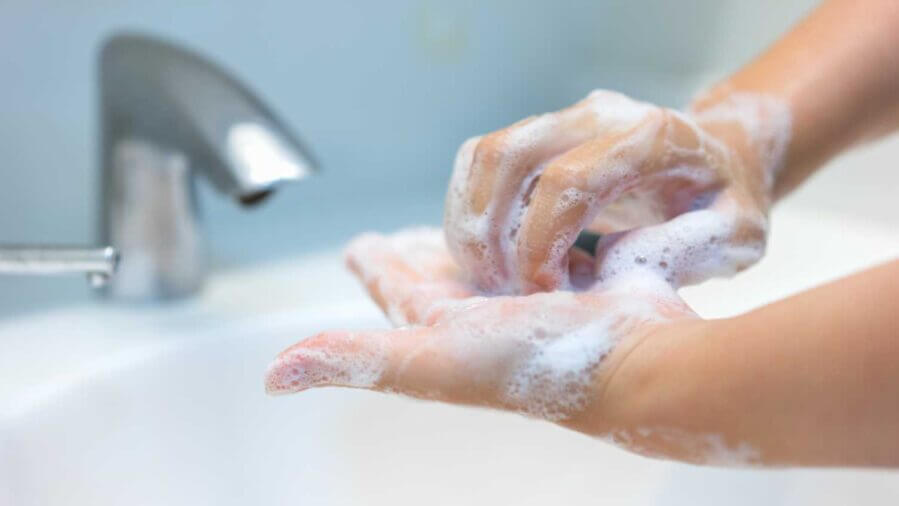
[{"x": 103, "y": 405}]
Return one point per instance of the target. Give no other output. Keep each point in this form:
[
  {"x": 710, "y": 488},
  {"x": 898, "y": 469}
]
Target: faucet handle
[{"x": 98, "y": 263}]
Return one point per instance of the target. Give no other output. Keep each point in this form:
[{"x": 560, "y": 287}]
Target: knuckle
[
  {"x": 506, "y": 144},
  {"x": 751, "y": 230},
  {"x": 467, "y": 149},
  {"x": 657, "y": 118},
  {"x": 564, "y": 173},
  {"x": 469, "y": 144},
  {"x": 489, "y": 150},
  {"x": 602, "y": 95}
]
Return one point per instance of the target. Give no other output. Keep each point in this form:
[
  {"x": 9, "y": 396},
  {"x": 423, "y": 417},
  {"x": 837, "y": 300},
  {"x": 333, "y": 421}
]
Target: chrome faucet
[
  {"x": 99, "y": 264},
  {"x": 168, "y": 114}
]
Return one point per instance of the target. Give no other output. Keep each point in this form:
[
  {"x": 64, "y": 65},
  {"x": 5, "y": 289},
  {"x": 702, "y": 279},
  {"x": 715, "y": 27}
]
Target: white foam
[
  {"x": 689, "y": 248},
  {"x": 485, "y": 243},
  {"x": 617, "y": 112},
  {"x": 554, "y": 343},
  {"x": 554, "y": 379},
  {"x": 421, "y": 250},
  {"x": 688, "y": 257},
  {"x": 546, "y": 347},
  {"x": 345, "y": 363},
  {"x": 699, "y": 448},
  {"x": 767, "y": 121}
]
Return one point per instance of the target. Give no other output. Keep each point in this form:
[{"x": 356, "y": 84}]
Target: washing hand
[
  {"x": 517, "y": 201},
  {"x": 681, "y": 195},
  {"x": 628, "y": 362},
  {"x": 549, "y": 355}
]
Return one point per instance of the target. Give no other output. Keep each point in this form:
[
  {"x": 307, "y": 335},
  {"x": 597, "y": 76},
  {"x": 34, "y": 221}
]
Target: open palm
[{"x": 547, "y": 355}]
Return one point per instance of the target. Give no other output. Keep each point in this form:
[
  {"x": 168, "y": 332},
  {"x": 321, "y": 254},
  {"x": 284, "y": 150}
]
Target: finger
[
  {"x": 337, "y": 358},
  {"x": 570, "y": 193},
  {"x": 503, "y": 167},
  {"x": 485, "y": 183},
  {"x": 411, "y": 361},
  {"x": 409, "y": 274},
  {"x": 513, "y": 154},
  {"x": 663, "y": 152}
]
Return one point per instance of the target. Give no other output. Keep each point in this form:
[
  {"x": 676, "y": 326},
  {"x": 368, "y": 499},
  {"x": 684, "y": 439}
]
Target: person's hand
[
  {"x": 683, "y": 195},
  {"x": 550, "y": 355}
]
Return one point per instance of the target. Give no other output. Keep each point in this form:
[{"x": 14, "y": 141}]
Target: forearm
[
  {"x": 810, "y": 380},
  {"x": 838, "y": 74}
]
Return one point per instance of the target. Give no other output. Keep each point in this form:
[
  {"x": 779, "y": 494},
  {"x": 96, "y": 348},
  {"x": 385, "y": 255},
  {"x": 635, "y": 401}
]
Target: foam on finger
[
  {"x": 696, "y": 169},
  {"x": 409, "y": 272},
  {"x": 541, "y": 354},
  {"x": 484, "y": 243},
  {"x": 347, "y": 359}
]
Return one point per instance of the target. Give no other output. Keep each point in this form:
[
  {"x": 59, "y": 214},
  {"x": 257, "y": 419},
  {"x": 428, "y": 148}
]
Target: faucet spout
[{"x": 168, "y": 113}]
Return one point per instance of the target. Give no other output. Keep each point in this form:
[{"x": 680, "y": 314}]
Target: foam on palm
[{"x": 545, "y": 351}]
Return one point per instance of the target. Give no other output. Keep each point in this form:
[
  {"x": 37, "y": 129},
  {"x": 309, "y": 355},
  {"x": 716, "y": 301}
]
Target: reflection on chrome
[
  {"x": 168, "y": 114},
  {"x": 263, "y": 157}
]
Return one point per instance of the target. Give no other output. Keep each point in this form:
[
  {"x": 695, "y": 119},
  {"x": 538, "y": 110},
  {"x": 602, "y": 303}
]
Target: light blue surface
[{"x": 383, "y": 92}]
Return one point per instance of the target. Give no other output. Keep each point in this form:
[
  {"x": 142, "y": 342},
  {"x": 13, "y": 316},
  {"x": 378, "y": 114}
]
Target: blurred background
[
  {"x": 168, "y": 402},
  {"x": 382, "y": 92}
]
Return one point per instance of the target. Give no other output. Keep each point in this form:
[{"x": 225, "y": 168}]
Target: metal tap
[
  {"x": 99, "y": 264},
  {"x": 168, "y": 114}
]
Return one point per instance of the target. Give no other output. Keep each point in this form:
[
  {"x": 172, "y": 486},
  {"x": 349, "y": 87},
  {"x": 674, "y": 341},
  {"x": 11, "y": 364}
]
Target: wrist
[
  {"x": 755, "y": 127},
  {"x": 643, "y": 384},
  {"x": 662, "y": 401}
]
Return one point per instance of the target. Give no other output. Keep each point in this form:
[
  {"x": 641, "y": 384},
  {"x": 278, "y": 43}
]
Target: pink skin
[
  {"x": 681, "y": 196},
  {"x": 691, "y": 206},
  {"x": 520, "y": 196},
  {"x": 464, "y": 348}
]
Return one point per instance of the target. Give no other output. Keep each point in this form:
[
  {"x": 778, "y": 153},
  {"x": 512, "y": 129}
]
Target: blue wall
[{"x": 382, "y": 91}]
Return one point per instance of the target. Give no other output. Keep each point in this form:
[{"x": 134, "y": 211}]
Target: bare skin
[
  {"x": 810, "y": 380},
  {"x": 784, "y": 381},
  {"x": 456, "y": 346},
  {"x": 836, "y": 75},
  {"x": 635, "y": 172}
]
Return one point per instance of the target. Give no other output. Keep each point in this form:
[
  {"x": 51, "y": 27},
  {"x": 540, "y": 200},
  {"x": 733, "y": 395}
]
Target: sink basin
[{"x": 103, "y": 405}]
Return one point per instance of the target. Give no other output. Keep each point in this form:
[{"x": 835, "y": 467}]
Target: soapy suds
[
  {"x": 766, "y": 120},
  {"x": 416, "y": 289},
  {"x": 485, "y": 242},
  {"x": 703, "y": 449},
  {"x": 554, "y": 381},
  {"x": 687, "y": 249},
  {"x": 487, "y": 245},
  {"x": 347, "y": 363},
  {"x": 549, "y": 347}
]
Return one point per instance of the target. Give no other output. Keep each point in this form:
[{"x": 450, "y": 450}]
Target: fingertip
[
  {"x": 293, "y": 370},
  {"x": 359, "y": 246},
  {"x": 276, "y": 382},
  {"x": 340, "y": 358}
]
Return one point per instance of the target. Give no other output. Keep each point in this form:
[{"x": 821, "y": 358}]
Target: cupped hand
[
  {"x": 683, "y": 195},
  {"x": 547, "y": 355}
]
